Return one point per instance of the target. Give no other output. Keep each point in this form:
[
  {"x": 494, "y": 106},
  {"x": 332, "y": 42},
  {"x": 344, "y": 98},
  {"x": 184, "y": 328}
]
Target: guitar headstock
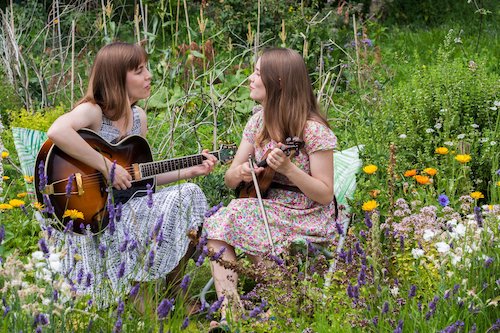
[
  {"x": 292, "y": 144},
  {"x": 227, "y": 152}
]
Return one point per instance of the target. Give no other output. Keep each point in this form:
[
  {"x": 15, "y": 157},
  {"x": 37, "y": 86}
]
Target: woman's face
[
  {"x": 257, "y": 89},
  {"x": 138, "y": 83}
]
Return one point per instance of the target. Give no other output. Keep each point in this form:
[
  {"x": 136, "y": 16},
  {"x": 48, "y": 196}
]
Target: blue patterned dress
[{"x": 106, "y": 265}]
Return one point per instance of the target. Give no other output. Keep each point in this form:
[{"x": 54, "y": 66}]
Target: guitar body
[{"x": 90, "y": 197}]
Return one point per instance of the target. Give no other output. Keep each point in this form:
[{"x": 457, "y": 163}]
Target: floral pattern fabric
[{"x": 291, "y": 215}]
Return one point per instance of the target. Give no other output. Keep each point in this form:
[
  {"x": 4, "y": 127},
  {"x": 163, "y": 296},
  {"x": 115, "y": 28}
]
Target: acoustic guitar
[{"x": 65, "y": 183}]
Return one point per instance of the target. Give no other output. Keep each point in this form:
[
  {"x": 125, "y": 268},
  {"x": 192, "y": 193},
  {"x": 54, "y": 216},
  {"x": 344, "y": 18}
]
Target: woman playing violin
[{"x": 300, "y": 201}]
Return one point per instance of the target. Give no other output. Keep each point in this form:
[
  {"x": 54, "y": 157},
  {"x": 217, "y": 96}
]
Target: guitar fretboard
[{"x": 155, "y": 168}]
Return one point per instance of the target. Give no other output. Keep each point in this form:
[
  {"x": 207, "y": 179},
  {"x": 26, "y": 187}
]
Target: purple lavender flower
[
  {"x": 42, "y": 179},
  {"x": 277, "y": 260},
  {"x": 55, "y": 295},
  {"x": 185, "y": 282},
  {"x": 363, "y": 234},
  {"x": 455, "y": 288},
  {"x": 498, "y": 172},
  {"x": 88, "y": 280},
  {"x": 164, "y": 308},
  {"x": 446, "y": 294},
  {"x": 2, "y": 233},
  {"x": 473, "y": 328},
  {"x": 118, "y": 212},
  {"x": 215, "y": 306},
  {"x": 42, "y": 319},
  {"x": 203, "y": 241},
  {"x": 120, "y": 308},
  {"x": 350, "y": 292},
  {"x": 413, "y": 291},
  {"x": 6, "y": 307},
  {"x": 367, "y": 41},
  {"x": 478, "y": 216},
  {"x": 402, "y": 243},
  {"x": 488, "y": 262},
  {"x": 399, "y": 329},
  {"x": 157, "y": 227},
  {"x": 49, "y": 232},
  {"x": 135, "y": 290},
  {"x": 219, "y": 253},
  {"x": 453, "y": 328},
  {"x": 362, "y": 275},
  {"x": 79, "y": 276},
  {"x": 49, "y": 209},
  {"x": 385, "y": 307},
  {"x": 149, "y": 192},
  {"x": 185, "y": 323},
  {"x": 433, "y": 303},
  {"x": 359, "y": 249},
  {"x": 43, "y": 246},
  {"x": 375, "y": 321},
  {"x": 214, "y": 209},
  {"x": 118, "y": 325},
  {"x": 151, "y": 259},
  {"x": 340, "y": 228},
  {"x": 102, "y": 249},
  {"x": 112, "y": 172},
  {"x": 368, "y": 220},
  {"x": 121, "y": 270},
  {"x": 443, "y": 200},
  {"x": 69, "y": 185}
]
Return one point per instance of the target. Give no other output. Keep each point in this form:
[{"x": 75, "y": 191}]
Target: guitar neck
[{"x": 155, "y": 168}]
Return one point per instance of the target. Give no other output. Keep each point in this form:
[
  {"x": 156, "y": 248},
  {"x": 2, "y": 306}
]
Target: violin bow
[{"x": 261, "y": 204}]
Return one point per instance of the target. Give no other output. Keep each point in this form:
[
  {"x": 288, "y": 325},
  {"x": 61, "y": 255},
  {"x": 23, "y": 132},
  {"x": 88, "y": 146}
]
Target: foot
[{"x": 219, "y": 326}]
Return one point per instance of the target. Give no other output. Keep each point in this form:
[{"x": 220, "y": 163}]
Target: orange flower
[
  {"x": 463, "y": 158},
  {"x": 22, "y": 195},
  {"x": 477, "y": 195},
  {"x": 430, "y": 171},
  {"x": 374, "y": 193},
  {"x": 370, "y": 169},
  {"x": 38, "y": 205},
  {"x": 423, "y": 180},
  {"x": 369, "y": 205},
  {"x": 28, "y": 179},
  {"x": 16, "y": 203},
  {"x": 441, "y": 150},
  {"x": 411, "y": 173}
]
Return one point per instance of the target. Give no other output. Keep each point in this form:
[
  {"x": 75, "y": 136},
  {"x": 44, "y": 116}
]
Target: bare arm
[
  {"x": 319, "y": 185},
  {"x": 63, "y": 133}
]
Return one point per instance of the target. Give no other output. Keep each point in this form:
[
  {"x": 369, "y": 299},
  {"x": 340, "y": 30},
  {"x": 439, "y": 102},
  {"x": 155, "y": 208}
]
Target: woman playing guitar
[
  {"x": 300, "y": 200},
  {"x": 150, "y": 237}
]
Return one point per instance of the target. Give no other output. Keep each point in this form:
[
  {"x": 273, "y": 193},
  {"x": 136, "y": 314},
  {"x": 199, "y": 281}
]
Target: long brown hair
[
  {"x": 290, "y": 101},
  {"x": 107, "y": 83}
]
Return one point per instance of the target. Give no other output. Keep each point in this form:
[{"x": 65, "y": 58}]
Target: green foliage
[{"x": 39, "y": 120}]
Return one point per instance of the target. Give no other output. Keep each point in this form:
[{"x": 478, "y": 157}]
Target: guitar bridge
[{"x": 79, "y": 183}]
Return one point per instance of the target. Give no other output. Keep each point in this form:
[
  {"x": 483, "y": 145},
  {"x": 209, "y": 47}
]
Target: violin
[{"x": 265, "y": 178}]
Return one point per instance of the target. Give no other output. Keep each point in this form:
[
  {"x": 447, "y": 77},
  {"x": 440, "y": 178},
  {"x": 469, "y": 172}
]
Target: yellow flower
[
  {"x": 423, "y": 180},
  {"x": 16, "y": 203},
  {"x": 370, "y": 169},
  {"x": 28, "y": 179},
  {"x": 477, "y": 195},
  {"x": 498, "y": 183},
  {"x": 38, "y": 205},
  {"x": 369, "y": 205},
  {"x": 430, "y": 171},
  {"x": 411, "y": 173},
  {"x": 441, "y": 150},
  {"x": 22, "y": 195},
  {"x": 73, "y": 214},
  {"x": 6, "y": 177},
  {"x": 5, "y": 206},
  {"x": 5, "y": 154},
  {"x": 463, "y": 158}
]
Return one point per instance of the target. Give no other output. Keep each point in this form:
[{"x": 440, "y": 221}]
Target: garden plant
[{"x": 416, "y": 83}]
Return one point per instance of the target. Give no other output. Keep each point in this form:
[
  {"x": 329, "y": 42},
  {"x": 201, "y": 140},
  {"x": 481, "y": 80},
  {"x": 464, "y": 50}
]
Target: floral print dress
[{"x": 291, "y": 215}]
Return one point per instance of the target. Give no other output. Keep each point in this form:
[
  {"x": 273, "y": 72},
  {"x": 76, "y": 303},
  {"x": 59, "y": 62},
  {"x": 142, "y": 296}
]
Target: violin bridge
[
  {"x": 136, "y": 170},
  {"x": 49, "y": 189}
]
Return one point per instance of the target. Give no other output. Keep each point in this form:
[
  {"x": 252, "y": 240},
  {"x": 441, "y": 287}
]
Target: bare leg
[{"x": 225, "y": 280}]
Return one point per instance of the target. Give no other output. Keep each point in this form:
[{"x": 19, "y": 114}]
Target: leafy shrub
[{"x": 39, "y": 120}]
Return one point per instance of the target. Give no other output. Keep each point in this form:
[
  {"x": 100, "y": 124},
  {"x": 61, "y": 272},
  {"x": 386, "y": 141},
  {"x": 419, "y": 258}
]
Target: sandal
[{"x": 219, "y": 327}]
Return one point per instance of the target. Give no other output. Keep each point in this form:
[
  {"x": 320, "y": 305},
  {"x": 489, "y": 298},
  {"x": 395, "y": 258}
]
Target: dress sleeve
[
  {"x": 253, "y": 127},
  {"x": 318, "y": 137}
]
